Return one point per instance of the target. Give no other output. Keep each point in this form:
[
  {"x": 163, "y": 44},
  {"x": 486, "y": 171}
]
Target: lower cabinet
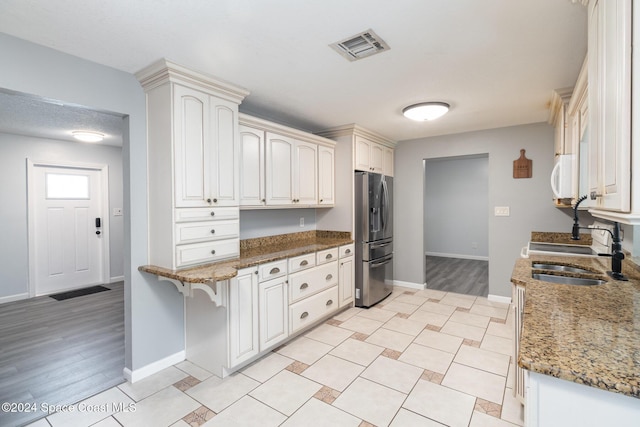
[
  {"x": 243, "y": 316},
  {"x": 346, "y": 278},
  {"x": 274, "y": 312},
  {"x": 309, "y": 310},
  {"x": 518, "y": 294}
]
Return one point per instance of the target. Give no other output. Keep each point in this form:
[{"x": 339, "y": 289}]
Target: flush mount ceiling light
[
  {"x": 87, "y": 136},
  {"x": 426, "y": 111}
]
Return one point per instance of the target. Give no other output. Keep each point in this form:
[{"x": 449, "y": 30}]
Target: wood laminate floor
[
  {"x": 60, "y": 352},
  {"x": 463, "y": 276}
]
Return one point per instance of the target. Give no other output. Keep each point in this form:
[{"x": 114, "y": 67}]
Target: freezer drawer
[
  {"x": 373, "y": 281},
  {"x": 377, "y": 250}
]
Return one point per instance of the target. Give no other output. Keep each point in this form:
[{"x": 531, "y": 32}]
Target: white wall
[
  {"x": 14, "y": 149},
  {"x": 456, "y": 201},
  {"x": 271, "y": 222},
  {"x": 154, "y": 315},
  {"x": 530, "y": 200}
]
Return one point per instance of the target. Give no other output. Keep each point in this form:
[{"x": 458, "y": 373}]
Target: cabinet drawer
[
  {"x": 192, "y": 232},
  {"x": 309, "y": 310},
  {"x": 200, "y": 253},
  {"x": 309, "y": 282},
  {"x": 206, "y": 214},
  {"x": 346, "y": 250},
  {"x": 327, "y": 255},
  {"x": 302, "y": 262},
  {"x": 272, "y": 270}
]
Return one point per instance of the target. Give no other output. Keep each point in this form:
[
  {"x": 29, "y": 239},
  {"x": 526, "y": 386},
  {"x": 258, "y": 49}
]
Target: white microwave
[{"x": 562, "y": 177}]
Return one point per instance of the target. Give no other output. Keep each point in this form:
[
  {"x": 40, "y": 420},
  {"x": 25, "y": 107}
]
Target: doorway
[
  {"x": 456, "y": 224},
  {"x": 68, "y": 226}
]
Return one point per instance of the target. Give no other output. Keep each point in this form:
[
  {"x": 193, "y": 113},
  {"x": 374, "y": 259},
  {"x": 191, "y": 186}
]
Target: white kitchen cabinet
[
  {"x": 610, "y": 91},
  {"x": 284, "y": 167},
  {"x": 243, "y": 317},
  {"x": 291, "y": 168},
  {"x": 346, "y": 276},
  {"x": 387, "y": 161},
  {"x": 369, "y": 155},
  {"x": 559, "y": 120},
  {"x": 326, "y": 176},
  {"x": 192, "y": 131},
  {"x": 274, "y": 312},
  {"x": 518, "y": 295},
  {"x": 205, "y": 149},
  {"x": 252, "y": 173},
  {"x": 308, "y": 311}
]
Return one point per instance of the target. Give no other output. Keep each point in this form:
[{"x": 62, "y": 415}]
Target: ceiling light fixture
[
  {"x": 87, "y": 136},
  {"x": 426, "y": 111}
]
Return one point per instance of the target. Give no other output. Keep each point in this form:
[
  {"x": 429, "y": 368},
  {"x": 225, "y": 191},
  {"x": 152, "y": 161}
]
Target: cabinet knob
[
  {"x": 329, "y": 277},
  {"x": 213, "y": 213},
  {"x": 321, "y": 200},
  {"x": 215, "y": 200},
  {"x": 213, "y": 252},
  {"x": 208, "y": 200},
  {"x": 303, "y": 263},
  {"x": 264, "y": 200},
  {"x": 304, "y": 286},
  {"x": 303, "y": 315},
  {"x": 274, "y": 270},
  {"x": 255, "y": 272},
  {"x": 213, "y": 231},
  {"x": 329, "y": 302}
]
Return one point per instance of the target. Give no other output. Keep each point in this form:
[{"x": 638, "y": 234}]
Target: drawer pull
[
  {"x": 213, "y": 231},
  {"x": 304, "y": 286},
  {"x": 329, "y": 302},
  {"x": 348, "y": 251},
  {"x": 274, "y": 270},
  {"x": 213, "y": 251},
  {"x": 329, "y": 256},
  {"x": 304, "y": 315},
  {"x": 329, "y": 277},
  {"x": 303, "y": 263},
  {"x": 213, "y": 213}
]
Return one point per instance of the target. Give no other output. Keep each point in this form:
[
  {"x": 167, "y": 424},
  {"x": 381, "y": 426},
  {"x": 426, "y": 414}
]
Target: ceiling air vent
[{"x": 360, "y": 46}]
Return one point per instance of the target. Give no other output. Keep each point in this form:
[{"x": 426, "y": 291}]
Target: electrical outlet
[
  {"x": 301, "y": 221},
  {"x": 117, "y": 211},
  {"x": 501, "y": 211}
]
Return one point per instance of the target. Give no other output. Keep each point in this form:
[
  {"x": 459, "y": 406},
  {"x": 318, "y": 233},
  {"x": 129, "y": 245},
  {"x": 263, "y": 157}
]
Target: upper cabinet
[
  {"x": 610, "y": 97},
  {"x": 558, "y": 118},
  {"x": 372, "y": 157},
  {"x": 193, "y": 186},
  {"x": 284, "y": 167}
]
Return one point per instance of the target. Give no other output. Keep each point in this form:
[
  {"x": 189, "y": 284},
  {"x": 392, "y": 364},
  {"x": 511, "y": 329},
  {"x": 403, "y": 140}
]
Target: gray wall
[
  {"x": 270, "y": 222},
  {"x": 530, "y": 200},
  {"x": 456, "y": 202},
  {"x": 154, "y": 314},
  {"x": 14, "y": 149}
]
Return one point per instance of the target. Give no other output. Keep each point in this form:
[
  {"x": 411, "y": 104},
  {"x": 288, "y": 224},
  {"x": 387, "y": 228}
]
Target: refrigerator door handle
[
  {"x": 385, "y": 205},
  {"x": 381, "y": 263},
  {"x": 379, "y": 245}
]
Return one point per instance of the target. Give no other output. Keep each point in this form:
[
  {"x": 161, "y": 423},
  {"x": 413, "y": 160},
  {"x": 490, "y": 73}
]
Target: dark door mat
[{"x": 78, "y": 293}]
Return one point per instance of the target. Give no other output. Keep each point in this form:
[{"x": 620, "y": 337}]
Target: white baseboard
[
  {"x": 499, "y": 298},
  {"x": 155, "y": 367},
  {"x": 15, "y": 297},
  {"x": 116, "y": 279},
  {"x": 460, "y": 256},
  {"x": 411, "y": 285}
]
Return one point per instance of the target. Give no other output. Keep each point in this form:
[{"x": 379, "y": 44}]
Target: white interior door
[{"x": 66, "y": 240}]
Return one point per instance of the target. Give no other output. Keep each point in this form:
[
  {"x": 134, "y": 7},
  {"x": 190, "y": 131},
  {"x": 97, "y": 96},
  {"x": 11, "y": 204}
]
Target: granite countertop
[
  {"x": 254, "y": 252},
  {"x": 585, "y": 334}
]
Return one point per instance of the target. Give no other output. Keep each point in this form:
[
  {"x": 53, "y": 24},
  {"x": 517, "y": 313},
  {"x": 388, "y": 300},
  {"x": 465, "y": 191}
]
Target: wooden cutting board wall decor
[{"x": 522, "y": 167}]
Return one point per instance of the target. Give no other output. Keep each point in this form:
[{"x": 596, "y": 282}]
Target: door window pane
[{"x": 64, "y": 186}]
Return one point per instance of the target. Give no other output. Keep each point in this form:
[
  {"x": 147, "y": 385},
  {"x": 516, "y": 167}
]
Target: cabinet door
[
  {"x": 279, "y": 168},
  {"x": 346, "y": 281},
  {"x": 243, "y": 317},
  {"x": 191, "y": 150},
  {"x": 363, "y": 153},
  {"x": 274, "y": 310},
  {"x": 251, "y": 167},
  {"x": 376, "y": 158},
  {"x": 387, "y": 161},
  {"x": 305, "y": 173},
  {"x": 326, "y": 175},
  {"x": 224, "y": 152}
]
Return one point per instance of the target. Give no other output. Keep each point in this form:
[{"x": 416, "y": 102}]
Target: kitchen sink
[
  {"x": 559, "y": 267},
  {"x": 567, "y": 280}
]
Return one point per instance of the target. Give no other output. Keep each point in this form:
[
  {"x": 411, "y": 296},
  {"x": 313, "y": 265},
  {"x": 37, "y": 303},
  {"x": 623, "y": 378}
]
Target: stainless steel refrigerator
[{"x": 373, "y": 237}]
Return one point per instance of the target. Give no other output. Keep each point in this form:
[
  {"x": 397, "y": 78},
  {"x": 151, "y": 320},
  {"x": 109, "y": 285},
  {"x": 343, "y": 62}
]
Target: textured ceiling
[{"x": 495, "y": 61}]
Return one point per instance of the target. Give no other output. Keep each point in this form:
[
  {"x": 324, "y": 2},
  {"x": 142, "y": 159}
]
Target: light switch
[{"x": 501, "y": 211}]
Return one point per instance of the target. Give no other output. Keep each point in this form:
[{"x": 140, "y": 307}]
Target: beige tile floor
[{"x": 420, "y": 358}]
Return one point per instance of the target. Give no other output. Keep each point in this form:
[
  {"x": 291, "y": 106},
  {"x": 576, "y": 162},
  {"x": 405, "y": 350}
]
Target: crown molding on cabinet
[
  {"x": 559, "y": 98},
  {"x": 354, "y": 129},
  {"x": 164, "y": 71},
  {"x": 582, "y": 2},
  {"x": 247, "y": 120}
]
